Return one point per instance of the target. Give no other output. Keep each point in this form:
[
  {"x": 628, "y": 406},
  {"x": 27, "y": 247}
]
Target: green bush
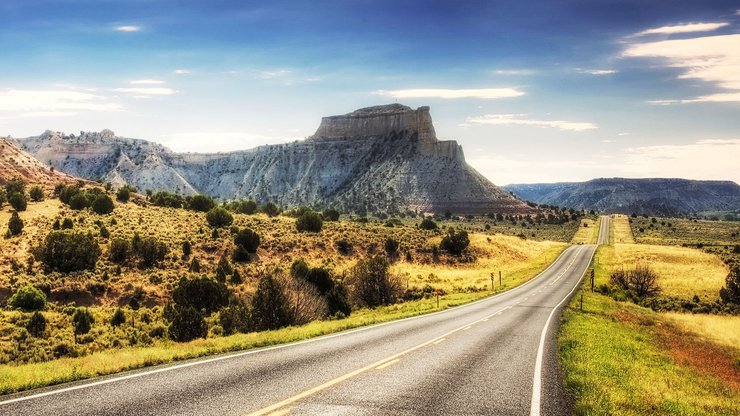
[
  {"x": 270, "y": 305},
  {"x": 15, "y": 185},
  {"x": 17, "y": 200},
  {"x": 150, "y": 251},
  {"x": 247, "y": 207},
  {"x": 124, "y": 193},
  {"x": 82, "y": 321},
  {"x": 391, "y": 246},
  {"x": 246, "y": 242},
  {"x": 455, "y": 242},
  {"x": 37, "y": 324},
  {"x": 119, "y": 250},
  {"x": 200, "y": 203},
  {"x": 201, "y": 293},
  {"x": 15, "y": 224},
  {"x": 68, "y": 251},
  {"x": 102, "y": 205},
  {"x": 118, "y": 318},
  {"x": 428, "y": 224},
  {"x": 331, "y": 215},
  {"x": 234, "y": 318},
  {"x": 187, "y": 324},
  {"x": 36, "y": 193},
  {"x": 337, "y": 301},
  {"x": 187, "y": 249},
  {"x": 270, "y": 209},
  {"x": 731, "y": 292},
  {"x": 309, "y": 222},
  {"x": 28, "y": 298},
  {"x": 166, "y": 199},
  {"x": 372, "y": 283},
  {"x": 219, "y": 217},
  {"x": 79, "y": 201}
]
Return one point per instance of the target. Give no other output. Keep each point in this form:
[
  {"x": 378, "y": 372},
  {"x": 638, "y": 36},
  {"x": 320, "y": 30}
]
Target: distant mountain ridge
[
  {"x": 653, "y": 196},
  {"x": 15, "y": 163},
  {"x": 383, "y": 158}
]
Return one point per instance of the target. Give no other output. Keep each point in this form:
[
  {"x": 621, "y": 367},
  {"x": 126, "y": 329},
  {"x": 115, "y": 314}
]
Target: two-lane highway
[{"x": 494, "y": 356}]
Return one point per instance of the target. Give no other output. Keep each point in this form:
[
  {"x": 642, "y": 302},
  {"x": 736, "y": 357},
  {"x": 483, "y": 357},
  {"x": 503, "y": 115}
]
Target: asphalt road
[
  {"x": 606, "y": 222},
  {"x": 497, "y": 356}
]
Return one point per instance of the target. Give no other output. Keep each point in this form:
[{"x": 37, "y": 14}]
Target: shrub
[
  {"x": 187, "y": 324},
  {"x": 234, "y": 318},
  {"x": 270, "y": 209},
  {"x": 118, "y": 318},
  {"x": 28, "y": 298},
  {"x": 79, "y": 201},
  {"x": 299, "y": 269},
  {"x": 428, "y": 224},
  {"x": 17, "y": 200},
  {"x": 124, "y": 193},
  {"x": 643, "y": 281},
  {"x": 15, "y": 185},
  {"x": 246, "y": 241},
  {"x": 67, "y": 224},
  {"x": 187, "y": 249},
  {"x": 331, "y": 215},
  {"x": 201, "y": 293},
  {"x": 200, "y": 203},
  {"x": 69, "y": 251},
  {"x": 150, "y": 251},
  {"x": 731, "y": 292},
  {"x": 219, "y": 217},
  {"x": 309, "y": 222},
  {"x": 37, "y": 324},
  {"x": 372, "y": 284},
  {"x": 36, "y": 193},
  {"x": 343, "y": 246},
  {"x": 391, "y": 246},
  {"x": 3, "y": 197},
  {"x": 119, "y": 250},
  {"x": 337, "y": 301},
  {"x": 270, "y": 305},
  {"x": 15, "y": 224},
  {"x": 102, "y": 205},
  {"x": 455, "y": 242},
  {"x": 166, "y": 199},
  {"x": 82, "y": 321},
  {"x": 247, "y": 207}
]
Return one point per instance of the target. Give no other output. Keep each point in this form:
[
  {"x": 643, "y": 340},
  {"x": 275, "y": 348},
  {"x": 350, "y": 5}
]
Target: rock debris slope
[{"x": 384, "y": 158}]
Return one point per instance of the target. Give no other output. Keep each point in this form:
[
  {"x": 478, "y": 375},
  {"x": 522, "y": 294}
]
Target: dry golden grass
[
  {"x": 722, "y": 329},
  {"x": 516, "y": 258},
  {"x": 682, "y": 272},
  {"x": 588, "y": 232},
  {"x": 621, "y": 231}
]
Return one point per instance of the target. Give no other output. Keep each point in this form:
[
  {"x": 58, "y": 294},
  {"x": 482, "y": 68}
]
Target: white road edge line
[
  {"x": 256, "y": 351},
  {"x": 534, "y": 409}
]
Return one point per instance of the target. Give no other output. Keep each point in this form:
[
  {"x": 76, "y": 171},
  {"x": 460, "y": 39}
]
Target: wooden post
[
  {"x": 592, "y": 279},
  {"x": 437, "y": 299},
  {"x": 581, "y": 301},
  {"x": 499, "y": 278},
  {"x": 493, "y": 282}
]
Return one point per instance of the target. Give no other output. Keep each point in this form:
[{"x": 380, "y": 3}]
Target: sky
[{"x": 534, "y": 91}]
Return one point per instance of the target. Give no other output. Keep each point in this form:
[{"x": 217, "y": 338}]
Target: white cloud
[
  {"x": 146, "y": 91},
  {"x": 705, "y": 159},
  {"x": 181, "y": 72},
  {"x": 276, "y": 73},
  {"x": 514, "y": 72},
  {"x": 129, "y": 28},
  {"x": 520, "y": 120},
  {"x": 481, "y": 93},
  {"x": 714, "y": 59},
  {"x": 596, "y": 71},
  {"x": 146, "y": 82},
  {"x": 685, "y": 28},
  {"x": 218, "y": 141},
  {"x": 34, "y": 103}
]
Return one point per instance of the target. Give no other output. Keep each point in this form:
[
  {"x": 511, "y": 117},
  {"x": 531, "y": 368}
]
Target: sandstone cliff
[{"x": 384, "y": 158}]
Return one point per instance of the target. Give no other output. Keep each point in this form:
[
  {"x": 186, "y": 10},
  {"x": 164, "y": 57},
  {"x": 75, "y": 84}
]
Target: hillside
[
  {"x": 665, "y": 197},
  {"x": 15, "y": 163},
  {"x": 384, "y": 158}
]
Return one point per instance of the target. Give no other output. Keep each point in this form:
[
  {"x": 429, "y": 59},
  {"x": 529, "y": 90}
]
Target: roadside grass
[
  {"x": 722, "y": 329},
  {"x": 622, "y": 359},
  {"x": 682, "y": 272},
  {"x": 588, "y": 232},
  {"x": 622, "y": 233},
  {"x": 516, "y": 258},
  {"x": 678, "y": 231}
]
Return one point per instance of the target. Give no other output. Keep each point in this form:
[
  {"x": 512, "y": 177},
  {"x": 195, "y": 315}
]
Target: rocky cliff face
[
  {"x": 654, "y": 196},
  {"x": 384, "y": 158},
  {"x": 15, "y": 163}
]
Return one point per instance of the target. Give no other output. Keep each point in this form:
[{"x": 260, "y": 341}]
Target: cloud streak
[
  {"x": 127, "y": 28},
  {"x": 35, "y": 103},
  {"x": 449, "y": 94},
  {"x": 685, "y": 28},
  {"x": 146, "y": 91},
  {"x": 146, "y": 82},
  {"x": 596, "y": 71},
  {"x": 520, "y": 120}
]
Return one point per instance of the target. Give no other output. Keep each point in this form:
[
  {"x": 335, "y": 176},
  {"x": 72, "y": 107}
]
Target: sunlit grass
[
  {"x": 722, "y": 329},
  {"x": 621, "y": 231},
  {"x": 682, "y": 272},
  {"x": 588, "y": 232}
]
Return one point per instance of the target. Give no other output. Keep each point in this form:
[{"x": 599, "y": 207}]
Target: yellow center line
[
  {"x": 438, "y": 341},
  {"x": 267, "y": 410},
  {"x": 388, "y": 364}
]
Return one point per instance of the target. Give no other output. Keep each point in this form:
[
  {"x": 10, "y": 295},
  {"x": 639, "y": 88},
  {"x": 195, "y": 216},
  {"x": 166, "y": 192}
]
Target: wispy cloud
[
  {"x": 146, "y": 82},
  {"x": 182, "y": 72},
  {"x": 684, "y": 28},
  {"x": 127, "y": 28},
  {"x": 219, "y": 141},
  {"x": 480, "y": 93},
  {"x": 514, "y": 72},
  {"x": 709, "y": 159},
  {"x": 714, "y": 59},
  {"x": 33, "y": 103},
  {"x": 275, "y": 73},
  {"x": 146, "y": 91},
  {"x": 521, "y": 120},
  {"x": 596, "y": 71}
]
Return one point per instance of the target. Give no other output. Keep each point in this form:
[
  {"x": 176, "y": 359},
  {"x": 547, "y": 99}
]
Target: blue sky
[{"x": 537, "y": 91}]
